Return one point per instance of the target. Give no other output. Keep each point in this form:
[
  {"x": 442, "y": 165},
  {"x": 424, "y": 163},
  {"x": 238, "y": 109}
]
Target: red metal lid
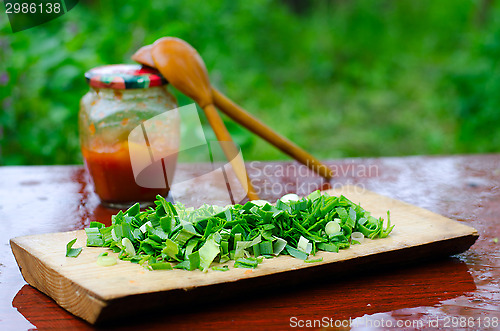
[{"x": 124, "y": 76}]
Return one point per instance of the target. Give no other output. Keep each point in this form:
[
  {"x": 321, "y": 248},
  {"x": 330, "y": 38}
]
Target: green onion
[
  {"x": 332, "y": 227},
  {"x": 222, "y": 268},
  {"x": 72, "y": 252},
  {"x": 171, "y": 249},
  {"x": 129, "y": 247},
  {"x": 357, "y": 237},
  {"x": 94, "y": 237},
  {"x": 242, "y": 245},
  {"x": 290, "y": 197},
  {"x": 278, "y": 246},
  {"x": 208, "y": 252},
  {"x": 186, "y": 265},
  {"x": 266, "y": 248},
  {"x": 194, "y": 260},
  {"x": 172, "y": 236},
  {"x": 260, "y": 203},
  {"x": 304, "y": 245},
  {"x": 330, "y": 247},
  {"x": 106, "y": 261},
  {"x": 296, "y": 253},
  {"x": 314, "y": 260},
  {"x": 94, "y": 224},
  {"x": 246, "y": 263},
  {"x": 161, "y": 266}
]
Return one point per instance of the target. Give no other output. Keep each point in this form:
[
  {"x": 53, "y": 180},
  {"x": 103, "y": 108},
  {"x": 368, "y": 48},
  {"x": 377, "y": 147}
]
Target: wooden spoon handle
[
  {"x": 244, "y": 118},
  {"x": 229, "y": 150}
]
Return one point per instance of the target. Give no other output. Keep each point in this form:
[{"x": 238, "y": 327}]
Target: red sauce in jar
[{"x": 113, "y": 176}]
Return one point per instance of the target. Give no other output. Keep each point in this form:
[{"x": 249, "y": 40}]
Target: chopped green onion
[
  {"x": 94, "y": 237},
  {"x": 304, "y": 245},
  {"x": 94, "y": 224},
  {"x": 196, "y": 238},
  {"x": 161, "y": 266},
  {"x": 260, "y": 203},
  {"x": 171, "y": 249},
  {"x": 72, "y": 252},
  {"x": 242, "y": 245},
  {"x": 278, "y": 246},
  {"x": 194, "y": 260},
  {"x": 358, "y": 237},
  {"x": 256, "y": 250},
  {"x": 332, "y": 227},
  {"x": 314, "y": 195},
  {"x": 143, "y": 227},
  {"x": 266, "y": 247},
  {"x": 290, "y": 197},
  {"x": 208, "y": 253},
  {"x": 330, "y": 247},
  {"x": 106, "y": 261},
  {"x": 129, "y": 247},
  {"x": 314, "y": 260},
  {"x": 246, "y": 263},
  {"x": 186, "y": 265},
  {"x": 296, "y": 253},
  {"x": 220, "y": 268}
]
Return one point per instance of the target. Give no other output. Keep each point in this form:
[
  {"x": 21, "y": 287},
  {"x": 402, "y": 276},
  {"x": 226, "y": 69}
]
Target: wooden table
[{"x": 460, "y": 289}]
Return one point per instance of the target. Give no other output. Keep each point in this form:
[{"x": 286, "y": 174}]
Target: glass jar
[{"x": 121, "y": 100}]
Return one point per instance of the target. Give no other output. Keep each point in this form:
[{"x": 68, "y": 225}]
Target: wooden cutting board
[{"x": 97, "y": 293}]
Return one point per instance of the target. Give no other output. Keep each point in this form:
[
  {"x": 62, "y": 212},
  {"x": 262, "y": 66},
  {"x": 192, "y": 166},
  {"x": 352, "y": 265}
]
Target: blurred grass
[{"x": 341, "y": 78}]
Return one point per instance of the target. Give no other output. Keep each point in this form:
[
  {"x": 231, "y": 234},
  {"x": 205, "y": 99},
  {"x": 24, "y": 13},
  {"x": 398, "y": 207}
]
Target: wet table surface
[{"x": 458, "y": 292}]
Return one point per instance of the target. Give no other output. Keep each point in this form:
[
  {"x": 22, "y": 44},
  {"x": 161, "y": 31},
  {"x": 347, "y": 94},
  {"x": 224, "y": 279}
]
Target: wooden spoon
[
  {"x": 144, "y": 56},
  {"x": 183, "y": 67}
]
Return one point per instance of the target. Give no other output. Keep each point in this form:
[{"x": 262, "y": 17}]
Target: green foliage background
[{"x": 340, "y": 78}]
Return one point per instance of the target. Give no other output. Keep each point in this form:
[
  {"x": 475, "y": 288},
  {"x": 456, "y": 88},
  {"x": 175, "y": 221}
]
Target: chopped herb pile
[{"x": 175, "y": 237}]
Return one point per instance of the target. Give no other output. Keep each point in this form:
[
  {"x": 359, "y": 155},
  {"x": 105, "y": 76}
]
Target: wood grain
[{"x": 97, "y": 293}]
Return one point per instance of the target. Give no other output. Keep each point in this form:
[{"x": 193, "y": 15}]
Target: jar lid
[{"x": 124, "y": 76}]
